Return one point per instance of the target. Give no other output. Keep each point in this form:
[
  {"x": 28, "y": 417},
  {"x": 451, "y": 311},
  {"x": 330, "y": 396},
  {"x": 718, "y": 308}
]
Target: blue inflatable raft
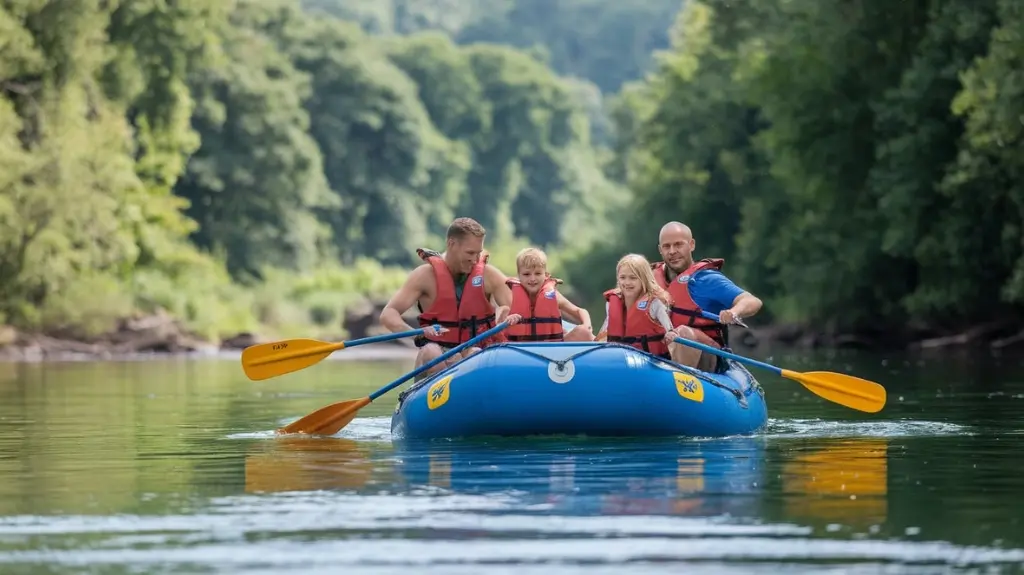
[{"x": 591, "y": 388}]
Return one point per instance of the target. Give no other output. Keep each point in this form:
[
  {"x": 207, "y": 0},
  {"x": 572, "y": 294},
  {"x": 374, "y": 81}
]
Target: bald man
[{"x": 697, "y": 286}]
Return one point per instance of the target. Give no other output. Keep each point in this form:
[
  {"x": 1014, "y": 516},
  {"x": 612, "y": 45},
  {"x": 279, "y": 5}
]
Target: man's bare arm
[
  {"x": 404, "y": 298},
  {"x": 745, "y": 305}
]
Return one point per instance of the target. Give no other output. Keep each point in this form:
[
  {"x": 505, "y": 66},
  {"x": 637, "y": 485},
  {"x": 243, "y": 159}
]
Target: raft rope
[{"x": 751, "y": 383}]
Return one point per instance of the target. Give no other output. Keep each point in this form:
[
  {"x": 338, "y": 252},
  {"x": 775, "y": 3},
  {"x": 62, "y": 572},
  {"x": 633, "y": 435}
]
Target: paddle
[
  {"x": 268, "y": 360},
  {"x": 714, "y": 316},
  {"x": 330, "y": 419},
  {"x": 846, "y": 390}
]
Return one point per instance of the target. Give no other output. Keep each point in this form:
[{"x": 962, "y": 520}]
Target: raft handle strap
[
  {"x": 560, "y": 363},
  {"x": 695, "y": 372},
  {"x": 561, "y": 366}
]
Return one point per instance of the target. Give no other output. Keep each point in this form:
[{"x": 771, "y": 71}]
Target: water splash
[
  {"x": 361, "y": 428},
  {"x": 265, "y": 434},
  {"x": 368, "y": 429},
  {"x": 823, "y": 428}
]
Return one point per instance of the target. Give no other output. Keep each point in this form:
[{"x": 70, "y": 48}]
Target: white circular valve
[{"x": 561, "y": 373}]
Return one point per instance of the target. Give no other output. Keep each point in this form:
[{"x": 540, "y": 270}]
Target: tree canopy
[
  {"x": 859, "y": 166},
  {"x": 152, "y": 152}
]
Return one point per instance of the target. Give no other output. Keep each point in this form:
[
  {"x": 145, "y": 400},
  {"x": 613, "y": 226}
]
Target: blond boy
[{"x": 532, "y": 274}]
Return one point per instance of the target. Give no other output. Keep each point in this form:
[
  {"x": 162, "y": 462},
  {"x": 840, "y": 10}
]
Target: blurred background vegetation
[{"x": 260, "y": 164}]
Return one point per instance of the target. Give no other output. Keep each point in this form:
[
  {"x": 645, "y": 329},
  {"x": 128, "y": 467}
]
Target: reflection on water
[
  {"x": 173, "y": 467},
  {"x": 578, "y": 477},
  {"x": 839, "y": 481},
  {"x": 307, "y": 464},
  {"x": 828, "y": 480}
]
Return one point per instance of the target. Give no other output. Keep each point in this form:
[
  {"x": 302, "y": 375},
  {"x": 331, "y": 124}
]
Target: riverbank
[
  {"x": 162, "y": 335},
  {"x": 993, "y": 336}
]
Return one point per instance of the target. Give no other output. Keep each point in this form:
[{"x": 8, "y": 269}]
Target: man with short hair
[
  {"x": 695, "y": 287},
  {"x": 453, "y": 289}
]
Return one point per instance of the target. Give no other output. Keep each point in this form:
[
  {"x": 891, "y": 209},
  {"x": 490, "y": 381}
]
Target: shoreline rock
[{"x": 159, "y": 335}]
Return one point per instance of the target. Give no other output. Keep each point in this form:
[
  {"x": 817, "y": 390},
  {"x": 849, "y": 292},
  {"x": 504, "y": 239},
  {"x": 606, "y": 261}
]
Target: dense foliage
[
  {"x": 242, "y": 162},
  {"x": 859, "y": 165},
  {"x": 607, "y": 42},
  {"x": 188, "y": 155}
]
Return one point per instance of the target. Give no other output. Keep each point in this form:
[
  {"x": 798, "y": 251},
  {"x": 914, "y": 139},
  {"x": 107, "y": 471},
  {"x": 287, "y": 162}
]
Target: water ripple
[
  {"x": 306, "y": 551},
  {"x": 821, "y": 428},
  {"x": 126, "y": 468}
]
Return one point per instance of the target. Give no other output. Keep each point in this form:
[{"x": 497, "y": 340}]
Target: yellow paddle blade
[
  {"x": 327, "y": 420},
  {"x": 853, "y": 392},
  {"x": 268, "y": 360}
]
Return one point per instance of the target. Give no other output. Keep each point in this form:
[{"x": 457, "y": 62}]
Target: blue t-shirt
[{"x": 712, "y": 291}]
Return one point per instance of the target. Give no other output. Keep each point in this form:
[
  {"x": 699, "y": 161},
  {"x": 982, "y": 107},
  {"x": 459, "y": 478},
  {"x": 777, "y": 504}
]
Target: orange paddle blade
[
  {"x": 327, "y": 420},
  {"x": 853, "y": 392},
  {"x": 268, "y": 360}
]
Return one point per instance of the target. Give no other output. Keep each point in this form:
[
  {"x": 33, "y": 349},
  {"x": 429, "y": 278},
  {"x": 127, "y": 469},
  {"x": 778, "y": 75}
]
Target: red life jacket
[
  {"x": 542, "y": 320},
  {"x": 465, "y": 318},
  {"x": 634, "y": 326},
  {"x": 684, "y": 311}
]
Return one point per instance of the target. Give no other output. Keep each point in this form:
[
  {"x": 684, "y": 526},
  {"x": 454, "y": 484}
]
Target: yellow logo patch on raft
[
  {"x": 438, "y": 393},
  {"x": 689, "y": 386}
]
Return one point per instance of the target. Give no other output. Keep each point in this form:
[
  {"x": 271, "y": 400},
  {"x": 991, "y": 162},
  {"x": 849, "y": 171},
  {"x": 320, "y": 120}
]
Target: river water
[{"x": 170, "y": 466}]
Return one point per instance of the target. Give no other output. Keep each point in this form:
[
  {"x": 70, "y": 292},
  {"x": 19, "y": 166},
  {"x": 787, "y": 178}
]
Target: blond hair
[
  {"x": 531, "y": 258},
  {"x": 639, "y": 265}
]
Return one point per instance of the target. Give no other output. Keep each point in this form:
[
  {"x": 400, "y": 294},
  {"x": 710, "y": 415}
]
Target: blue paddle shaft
[
  {"x": 491, "y": 332},
  {"x": 723, "y": 353},
  {"x": 714, "y": 317},
  {"x": 386, "y": 337}
]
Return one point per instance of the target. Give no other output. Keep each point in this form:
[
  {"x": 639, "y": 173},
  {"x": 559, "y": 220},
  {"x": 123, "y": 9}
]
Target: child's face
[
  {"x": 628, "y": 281},
  {"x": 532, "y": 278}
]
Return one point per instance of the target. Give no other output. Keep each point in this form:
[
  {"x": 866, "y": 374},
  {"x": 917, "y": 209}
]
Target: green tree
[
  {"x": 608, "y": 42},
  {"x": 971, "y": 259},
  {"x": 684, "y": 145},
  {"x": 533, "y": 172},
  {"x": 396, "y": 177},
  {"x": 256, "y": 180},
  {"x": 917, "y": 137},
  {"x": 93, "y": 132}
]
